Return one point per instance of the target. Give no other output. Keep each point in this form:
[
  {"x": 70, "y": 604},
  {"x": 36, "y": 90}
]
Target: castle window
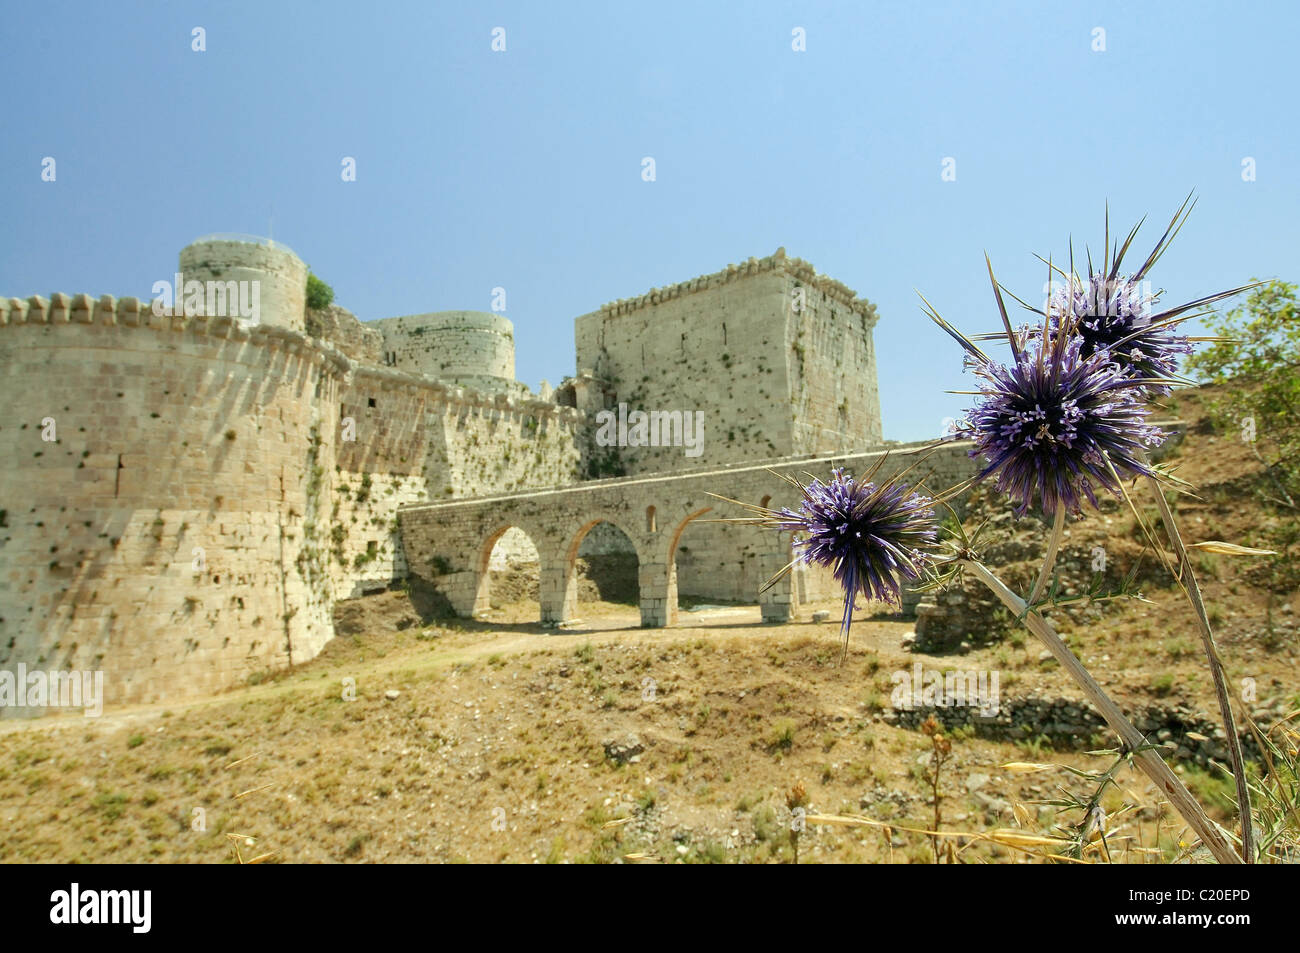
[
  {"x": 766, "y": 500},
  {"x": 651, "y": 526},
  {"x": 370, "y": 402}
]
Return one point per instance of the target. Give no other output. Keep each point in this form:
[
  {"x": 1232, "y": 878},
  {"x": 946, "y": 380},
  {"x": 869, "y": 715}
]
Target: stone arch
[
  {"x": 740, "y": 560},
  {"x": 670, "y": 567},
  {"x": 565, "y": 607},
  {"x": 483, "y": 562},
  {"x": 681, "y": 528}
]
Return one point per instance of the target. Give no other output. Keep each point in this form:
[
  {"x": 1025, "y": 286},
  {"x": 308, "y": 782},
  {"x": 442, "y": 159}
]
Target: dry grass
[{"x": 504, "y": 729}]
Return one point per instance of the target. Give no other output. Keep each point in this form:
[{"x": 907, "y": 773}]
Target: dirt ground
[{"x": 503, "y": 741}]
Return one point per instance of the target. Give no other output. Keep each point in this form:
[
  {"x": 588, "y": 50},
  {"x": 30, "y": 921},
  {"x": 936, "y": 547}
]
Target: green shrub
[
  {"x": 1162, "y": 684},
  {"x": 781, "y": 735},
  {"x": 111, "y": 804},
  {"x": 319, "y": 294}
]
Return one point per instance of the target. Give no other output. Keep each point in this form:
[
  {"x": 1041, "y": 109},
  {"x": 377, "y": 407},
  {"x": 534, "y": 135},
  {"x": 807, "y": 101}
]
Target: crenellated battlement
[
  {"x": 451, "y": 398},
  {"x": 795, "y": 267},
  {"x": 131, "y": 312}
]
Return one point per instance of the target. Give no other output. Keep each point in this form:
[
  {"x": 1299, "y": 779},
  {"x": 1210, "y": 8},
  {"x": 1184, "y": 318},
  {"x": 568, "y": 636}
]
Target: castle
[{"x": 187, "y": 494}]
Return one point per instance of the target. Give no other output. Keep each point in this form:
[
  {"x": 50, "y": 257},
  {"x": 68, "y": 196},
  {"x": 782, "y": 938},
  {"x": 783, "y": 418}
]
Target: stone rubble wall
[
  {"x": 1072, "y": 724},
  {"x": 349, "y": 334}
]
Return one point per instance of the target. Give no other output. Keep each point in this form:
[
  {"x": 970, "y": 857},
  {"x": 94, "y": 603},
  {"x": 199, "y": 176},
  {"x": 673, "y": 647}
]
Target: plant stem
[
  {"x": 1049, "y": 560},
  {"x": 1193, "y": 591},
  {"x": 1150, "y": 762},
  {"x": 934, "y": 794}
]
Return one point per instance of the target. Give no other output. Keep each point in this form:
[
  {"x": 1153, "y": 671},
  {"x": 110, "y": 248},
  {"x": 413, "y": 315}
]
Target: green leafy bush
[{"x": 319, "y": 294}]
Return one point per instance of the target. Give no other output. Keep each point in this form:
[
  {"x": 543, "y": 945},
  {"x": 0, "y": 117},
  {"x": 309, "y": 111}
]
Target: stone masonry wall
[
  {"x": 200, "y": 506},
  {"x": 833, "y": 400},
  {"x": 471, "y": 348},
  {"x": 778, "y": 359},
  {"x": 480, "y": 446},
  {"x": 280, "y": 275},
  {"x": 159, "y": 537},
  {"x": 416, "y": 440}
]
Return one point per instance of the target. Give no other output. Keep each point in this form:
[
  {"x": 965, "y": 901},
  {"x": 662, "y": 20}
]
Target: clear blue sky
[{"x": 522, "y": 169}]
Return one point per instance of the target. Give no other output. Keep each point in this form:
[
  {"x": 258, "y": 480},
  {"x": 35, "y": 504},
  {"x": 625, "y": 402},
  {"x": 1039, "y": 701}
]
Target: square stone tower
[{"x": 778, "y": 359}]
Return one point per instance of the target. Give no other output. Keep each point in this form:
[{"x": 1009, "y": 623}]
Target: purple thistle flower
[
  {"x": 1115, "y": 315},
  {"x": 1049, "y": 424},
  {"x": 1068, "y": 414},
  {"x": 868, "y": 534}
]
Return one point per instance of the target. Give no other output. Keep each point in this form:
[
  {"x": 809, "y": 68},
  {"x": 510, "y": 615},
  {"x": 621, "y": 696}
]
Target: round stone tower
[
  {"x": 469, "y": 348},
  {"x": 265, "y": 280}
]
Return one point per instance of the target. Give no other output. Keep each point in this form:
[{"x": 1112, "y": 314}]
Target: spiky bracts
[
  {"x": 1115, "y": 315},
  {"x": 1055, "y": 426},
  {"x": 869, "y": 534},
  {"x": 1066, "y": 415}
]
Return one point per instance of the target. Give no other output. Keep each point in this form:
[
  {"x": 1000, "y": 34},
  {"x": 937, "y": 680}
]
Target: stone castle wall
[
  {"x": 778, "y": 359},
  {"x": 345, "y": 331},
  {"x": 417, "y": 440},
  {"x": 160, "y": 536},
  {"x": 833, "y": 399},
  {"x": 280, "y": 274},
  {"x": 211, "y": 485},
  {"x": 469, "y": 348}
]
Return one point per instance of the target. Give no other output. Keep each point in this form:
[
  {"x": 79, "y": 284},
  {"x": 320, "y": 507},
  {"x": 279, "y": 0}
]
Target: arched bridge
[{"x": 457, "y": 537}]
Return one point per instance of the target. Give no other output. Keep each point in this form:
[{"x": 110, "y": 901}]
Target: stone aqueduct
[{"x": 453, "y": 541}]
